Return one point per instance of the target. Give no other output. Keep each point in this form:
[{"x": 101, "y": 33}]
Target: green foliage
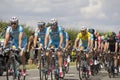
[
  {"x": 27, "y": 31},
  {"x": 3, "y": 25},
  {"x": 72, "y": 34}
]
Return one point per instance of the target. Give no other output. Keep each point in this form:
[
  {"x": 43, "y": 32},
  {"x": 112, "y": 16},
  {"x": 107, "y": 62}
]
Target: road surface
[{"x": 71, "y": 75}]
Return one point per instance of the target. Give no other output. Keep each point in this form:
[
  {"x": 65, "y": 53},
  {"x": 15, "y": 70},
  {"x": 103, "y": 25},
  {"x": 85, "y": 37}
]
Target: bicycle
[
  {"x": 94, "y": 62},
  {"x": 2, "y": 62},
  {"x": 82, "y": 65},
  {"x": 110, "y": 65},
  {"x": 66, "y": 60},
  {"x": 43, "y": 68},
  {"x": 54, "y": 65},
  {"x": 13, "y": 64}
]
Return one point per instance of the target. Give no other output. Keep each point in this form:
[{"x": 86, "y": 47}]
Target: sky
[{"x": 102, "y": 15}]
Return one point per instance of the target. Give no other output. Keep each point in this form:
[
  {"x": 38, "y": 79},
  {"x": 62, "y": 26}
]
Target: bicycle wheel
[
  {"x": 1, "y": 69},
  {"x": 77, "y": 63},
  {"x": 15, "y": 72},
  {"x": 10, "y": 72},
  {"x": 67, "y": 68},
  {"x": 7, "y": 73},
  {"x": 44, "y": 71},
  {"x": 80, "y": 72},
  {"x": 40, "y": 72},
  {"x": 53, "y": 69}
]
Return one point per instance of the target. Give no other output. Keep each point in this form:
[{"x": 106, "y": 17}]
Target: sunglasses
[
  {"x": 40, "y": 26},
  {"x": 83, "y": 31},
  {"x": 13, "y": 23}
]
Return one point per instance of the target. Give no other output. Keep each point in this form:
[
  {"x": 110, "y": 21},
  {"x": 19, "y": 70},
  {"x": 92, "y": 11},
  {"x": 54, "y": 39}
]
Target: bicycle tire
[
  {"x": 40, "y": 73},
  {"x": 1, "y": 69}
]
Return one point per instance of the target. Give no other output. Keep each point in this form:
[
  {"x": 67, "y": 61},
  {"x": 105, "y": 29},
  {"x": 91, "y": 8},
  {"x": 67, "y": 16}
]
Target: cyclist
[
  {"x": 65, "y": 39},
  {"x": 54, "y": 36},
  {"x": 84, "y": 40},
  {"x": 119, "y": 49},
  {"x": 40, "y": 33},
  {"x": 30, "y": 48},
  {"x": 66, "y": 45},
  {"x": 92, "y": 31},
  {"x": 113, "y": 47},
  {"x": 19, "y": 39},
  {"x": 119, "y": 35}
]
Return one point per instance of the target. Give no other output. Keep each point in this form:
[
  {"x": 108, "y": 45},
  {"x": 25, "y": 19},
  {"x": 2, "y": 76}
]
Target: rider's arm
[
  {"x": 20, "y": 39},
  {"x": 28, "y": 46},
  {"x": 116, "y": 46},
  {"x": 61, "y": 37},
  {"x": 20, "y": 36},
  {"x": 96, "y": 44},
  {"x": 61, "y": 40},
  {"x": 76, "y": 43},
  {"x": 106, "y": 46},
  {"x": 7, "y": 37},
  {"x": 35, "y": 41},
  {"x": 90, "y": 39},
  {"x": 67, "y": 41},
  {"x": 77, "y": 40},
  {"x": 36, "y": 34},
  {"x": 36, "y": 37},
  {"x": 89, "y": 43},
  {"x": 46, "y": 39},
  {"x": 67, "y": 44}
]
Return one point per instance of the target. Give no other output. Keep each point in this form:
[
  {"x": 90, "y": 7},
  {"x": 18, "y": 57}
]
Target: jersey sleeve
[
  {"x": 90, "y": 36},
  {"x": 9, "y": 30},
  {"x": 21, "y": 29},
  {"x": 48, "y": 30},
  {"x": 60, "y": 30},
  {"x": 36, "y": 32},
  {"x": 67, "y": 37},
  {"x": 79, "y": 36}
]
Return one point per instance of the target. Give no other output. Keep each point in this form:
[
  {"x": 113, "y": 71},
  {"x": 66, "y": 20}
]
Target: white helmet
[
  {"x": 14, "y": 20},
  {"x": 83, "y": 28},
  {"x": 53, "y": 22}
]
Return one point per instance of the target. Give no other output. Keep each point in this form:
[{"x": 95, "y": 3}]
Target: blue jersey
[
  {"x": 65, "y": 38},
  {"x": 54, "y": 36},
  {"x": 41, "y": 35},
  {"x": 15, "y": 35}
]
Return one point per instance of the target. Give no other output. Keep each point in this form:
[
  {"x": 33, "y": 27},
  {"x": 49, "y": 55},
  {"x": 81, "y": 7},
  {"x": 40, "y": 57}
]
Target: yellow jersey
[{"x": 84, "y": 37}]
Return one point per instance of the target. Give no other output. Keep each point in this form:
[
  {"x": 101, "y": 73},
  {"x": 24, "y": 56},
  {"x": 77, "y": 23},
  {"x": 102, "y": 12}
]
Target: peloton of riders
[{"x": 56, "y": 37}]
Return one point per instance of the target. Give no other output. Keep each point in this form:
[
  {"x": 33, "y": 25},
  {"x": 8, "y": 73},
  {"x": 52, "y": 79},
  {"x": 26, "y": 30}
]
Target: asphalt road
[{"x": 71, "y": 75}]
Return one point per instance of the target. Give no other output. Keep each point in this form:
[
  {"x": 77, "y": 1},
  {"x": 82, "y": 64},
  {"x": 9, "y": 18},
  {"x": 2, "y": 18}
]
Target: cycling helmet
[
  {"x": 14, "y": 20},
  {"x": 41, "y": 23},
  {"x": 53, "y": 22},
  {"x": 83, "y": 28},
  {"x": 92, "y": 31}
]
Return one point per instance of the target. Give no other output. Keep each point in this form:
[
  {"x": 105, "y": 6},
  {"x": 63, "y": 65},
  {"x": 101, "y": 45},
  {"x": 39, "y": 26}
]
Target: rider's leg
[
  {"x": 22, "y": 57},
  {"x": 115, "y": 63},
  {"x": 60, "y": 59}
]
